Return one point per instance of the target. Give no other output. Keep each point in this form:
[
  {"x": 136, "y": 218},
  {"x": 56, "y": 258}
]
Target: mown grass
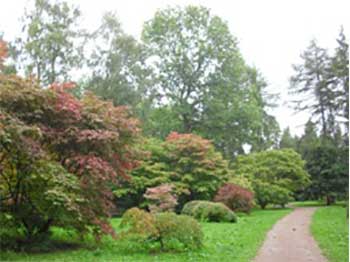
[
  {"x": 330, "y": 228},
  {"x": 223, "y": 242},
  {"x": 315, "y": 203}
]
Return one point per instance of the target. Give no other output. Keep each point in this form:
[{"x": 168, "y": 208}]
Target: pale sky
[{"x": 271, "y": 33}]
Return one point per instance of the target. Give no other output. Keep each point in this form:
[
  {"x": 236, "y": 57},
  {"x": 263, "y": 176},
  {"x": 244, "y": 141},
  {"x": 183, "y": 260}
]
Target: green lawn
[
  {"x": 223, "y": 242},
  {"x": 331, "y": 230}
]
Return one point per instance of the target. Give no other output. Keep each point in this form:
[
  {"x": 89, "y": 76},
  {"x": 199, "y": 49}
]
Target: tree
[
  {"x": 59, "y": 156},
  {"x": 282, "y": 169},
  {"x": 119, "y": 72},
  {"x": 340, "y": 78},
  {"x": 326, "y": 162},
  {"x": 311, "y": 81},
  {"x": 50, "y": 46},
  {"x": 287, "y": 141},
  {"x": 203, "y": 78}
]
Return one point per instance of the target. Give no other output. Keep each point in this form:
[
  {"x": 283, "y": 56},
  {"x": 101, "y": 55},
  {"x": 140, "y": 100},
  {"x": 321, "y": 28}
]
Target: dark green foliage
[
  {"x": 209, "y": 211},
  {"x": 167, "y": 229},
  {"x": 287, "y": 141}
]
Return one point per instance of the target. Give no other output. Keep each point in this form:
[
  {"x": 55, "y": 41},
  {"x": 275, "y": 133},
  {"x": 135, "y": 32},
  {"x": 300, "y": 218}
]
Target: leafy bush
[
  {"x": 281, "y": 196},
  {"x": 209, "y": 211},
  {"x": 167, "y": 229},
  {"x": 138, "y": 224},
  {"x": 266, "y": 193},
  {"x": 161, "y": 198},
  {"x": 178, "y": 228},
  {"x": 235, "y": 197}
]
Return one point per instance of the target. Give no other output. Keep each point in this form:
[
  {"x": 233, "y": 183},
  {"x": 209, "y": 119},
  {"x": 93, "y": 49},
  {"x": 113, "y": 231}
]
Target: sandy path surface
[{"x": 290, "y": 240}]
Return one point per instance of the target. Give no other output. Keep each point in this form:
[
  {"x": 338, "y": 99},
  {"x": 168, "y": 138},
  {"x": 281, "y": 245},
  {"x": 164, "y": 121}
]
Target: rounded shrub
[
  {"x": 235, "y": 197},
  {"x": 209, "y": 211},
  {"x": 168, "y": 229},
  {"x": 178, "y": 229}
]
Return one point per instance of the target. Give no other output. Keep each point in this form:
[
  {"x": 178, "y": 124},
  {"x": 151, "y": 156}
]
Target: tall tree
[
  {"x": 203, "y": 77},
  {"x": 50, "y": 46},
  {"x": 192, "y": 50},
  {"x": 340, "y": 78},
  {"x": 119, "y": 72},
  {"x": 311, "y": 84}
]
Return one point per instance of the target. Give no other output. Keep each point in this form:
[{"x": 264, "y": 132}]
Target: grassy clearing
[
  {"x": 223, "y": 242},
  {"x": 331, "y": 230}
]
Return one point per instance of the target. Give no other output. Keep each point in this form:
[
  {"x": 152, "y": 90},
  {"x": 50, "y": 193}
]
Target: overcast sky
[{"x": 271, "y": 33}]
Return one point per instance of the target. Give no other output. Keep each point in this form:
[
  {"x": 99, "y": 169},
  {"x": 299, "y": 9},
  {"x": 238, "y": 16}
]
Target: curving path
[{"x": 290, "y": 240}]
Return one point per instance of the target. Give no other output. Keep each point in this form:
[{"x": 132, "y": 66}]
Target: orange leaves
[{"x": 3, "y": 52}]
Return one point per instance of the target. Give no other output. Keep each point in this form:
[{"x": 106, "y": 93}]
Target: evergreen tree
[{"x": 287, "y": 141}]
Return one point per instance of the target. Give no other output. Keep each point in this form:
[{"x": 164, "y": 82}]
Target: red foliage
[
  {"x": 161, "y": 198},
  {"x": 90, "y": 138},
  {"x": 235, "y": 197},
  {"x": 3, "y": 52},
  {"x": 67, "y": 104}
]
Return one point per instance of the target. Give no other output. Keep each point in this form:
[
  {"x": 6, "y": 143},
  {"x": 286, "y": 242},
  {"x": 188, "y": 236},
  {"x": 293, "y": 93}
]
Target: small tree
[
  {"x": 235, "y": 197},
  {"x": 161, "y": 198},
  {"x": 59, "y": 156}
]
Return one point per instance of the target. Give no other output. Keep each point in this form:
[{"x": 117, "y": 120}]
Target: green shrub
[
  {"x": 280, "y": 196},
  {"x": 167, "y": 229},
  {"x": 180, "y": 229},
  {"x": 138, "y": 224},
  {"x": 209, "y": 211},
  {"x": 266, "y": 193}
]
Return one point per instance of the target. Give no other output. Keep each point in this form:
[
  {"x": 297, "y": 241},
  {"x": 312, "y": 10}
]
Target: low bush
[
  {"x": 235, "y": 197},
  {"x": 178, "y": 229},
  {"x": 209, "y": 211},
  {"x": 167, "y": 229}
]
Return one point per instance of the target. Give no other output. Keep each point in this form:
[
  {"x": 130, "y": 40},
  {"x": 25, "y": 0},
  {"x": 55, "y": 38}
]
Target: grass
[
  {"x": 330, "y": 228},
  {"x": 223, "y": 242},
  {"x": 314, "y": 203}
]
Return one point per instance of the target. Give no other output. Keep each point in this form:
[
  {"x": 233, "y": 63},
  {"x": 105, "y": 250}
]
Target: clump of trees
[
  {"x": 323, "y": 79},
  {"x": 186, "y": 161}
]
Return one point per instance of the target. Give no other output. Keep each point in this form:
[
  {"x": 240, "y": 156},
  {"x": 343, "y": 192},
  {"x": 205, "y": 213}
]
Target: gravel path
[{"x": 290, "y": 240}]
